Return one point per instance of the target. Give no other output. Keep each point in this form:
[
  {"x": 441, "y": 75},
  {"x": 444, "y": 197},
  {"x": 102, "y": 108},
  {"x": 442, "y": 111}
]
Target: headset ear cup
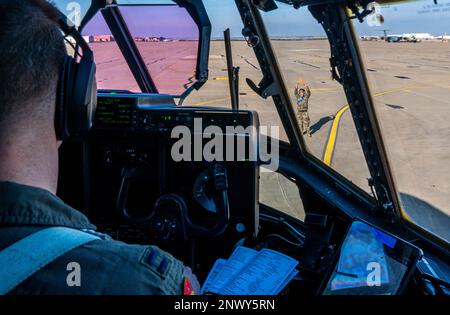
[
  {"x": 77, "y": 92},
  {"x": 91, "y": 91},
  {"x": 62, "y": 98},
  {"x": 82, "y": 105},
  {"x": 93, "y": 106},
  {"x": 76, "y": 98}
]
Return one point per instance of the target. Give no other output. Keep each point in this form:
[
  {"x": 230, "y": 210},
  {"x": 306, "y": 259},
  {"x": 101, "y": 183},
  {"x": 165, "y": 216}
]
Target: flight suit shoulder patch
[{"x": 157, "y": 261}]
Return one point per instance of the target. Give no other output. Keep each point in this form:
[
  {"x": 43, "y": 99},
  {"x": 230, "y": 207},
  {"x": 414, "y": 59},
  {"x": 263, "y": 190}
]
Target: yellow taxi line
[
  {"x": 248, "y": 93},
  {"x": 405, "y": 215},
  {"x": 214, "y": 100},
  {"x": 333, "y": 133},
  {"x": 329, "y": 149},
  {"x": 220, "y": 79},
  {"x": 222, "y": 99},
  {"x": 325, "y": 90},
  {"x": 331, "y": 143}
]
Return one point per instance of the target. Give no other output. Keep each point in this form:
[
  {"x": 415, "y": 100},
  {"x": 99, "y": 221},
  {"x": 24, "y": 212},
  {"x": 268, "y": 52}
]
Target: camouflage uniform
[{"x": 302, "y": 108}]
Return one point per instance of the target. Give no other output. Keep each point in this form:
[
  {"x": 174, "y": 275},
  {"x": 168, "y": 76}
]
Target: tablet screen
[{"x": 370, "y": 262}]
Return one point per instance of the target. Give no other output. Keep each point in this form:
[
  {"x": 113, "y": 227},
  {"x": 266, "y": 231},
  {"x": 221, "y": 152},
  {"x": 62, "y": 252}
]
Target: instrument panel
[{"x": 138, "y": 152}]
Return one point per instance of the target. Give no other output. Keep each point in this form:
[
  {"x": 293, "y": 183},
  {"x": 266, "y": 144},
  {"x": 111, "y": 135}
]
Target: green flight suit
[{"x": 106, "y": 266}]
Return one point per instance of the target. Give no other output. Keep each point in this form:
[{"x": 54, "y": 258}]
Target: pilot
[
  {"x": 31, "y": 54},
  {"x": 302, "y": 94}
]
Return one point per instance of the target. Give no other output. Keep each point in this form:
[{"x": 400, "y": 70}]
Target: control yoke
[
  {"x": 217, "y": 175},
  {"x": 171, "y": 218}
]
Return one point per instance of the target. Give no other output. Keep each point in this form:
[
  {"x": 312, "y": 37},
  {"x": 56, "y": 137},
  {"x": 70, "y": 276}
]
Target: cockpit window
[
  {"x": 275, "y": 190},
  {"x": 113, "y": 72},
  {"x": 216, "y": 91},
  {"x": 167, "y": 39},
  {"x": 321, "y": 107},
  {"x": 406, "y": 60}
]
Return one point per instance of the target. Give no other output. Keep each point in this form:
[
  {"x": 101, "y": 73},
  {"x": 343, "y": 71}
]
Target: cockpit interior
[{"x": 156, "y": 168}]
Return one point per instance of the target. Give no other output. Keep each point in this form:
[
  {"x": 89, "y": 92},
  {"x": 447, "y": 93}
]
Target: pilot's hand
[{"x": 191, "y": 286}]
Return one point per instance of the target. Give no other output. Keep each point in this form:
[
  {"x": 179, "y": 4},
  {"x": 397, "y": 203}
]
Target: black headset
[{"x": 76, "y": 98}]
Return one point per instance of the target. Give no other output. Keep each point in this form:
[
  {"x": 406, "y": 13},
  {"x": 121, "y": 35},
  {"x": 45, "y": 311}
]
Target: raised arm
[{"x": 308, "y": 91}]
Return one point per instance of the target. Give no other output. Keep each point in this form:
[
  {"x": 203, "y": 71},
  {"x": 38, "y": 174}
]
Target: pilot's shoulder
[{"x": 133, "y": 269}]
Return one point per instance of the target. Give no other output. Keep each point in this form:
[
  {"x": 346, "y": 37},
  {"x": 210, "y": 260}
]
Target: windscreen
[
  {"x": 113, "y": 72},
  {"x": 406, "y": 54},
  {"x": 167, "y": 39},
  {"x": 319, "y": 101}
]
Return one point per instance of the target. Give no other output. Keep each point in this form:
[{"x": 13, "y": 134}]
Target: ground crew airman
[{"x": 302, "y": 94}]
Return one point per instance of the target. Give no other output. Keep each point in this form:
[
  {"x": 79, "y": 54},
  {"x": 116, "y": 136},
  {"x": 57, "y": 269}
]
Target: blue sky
[
  {"x": 415, "y": 17},
  {"x": 165, "y": 21}
]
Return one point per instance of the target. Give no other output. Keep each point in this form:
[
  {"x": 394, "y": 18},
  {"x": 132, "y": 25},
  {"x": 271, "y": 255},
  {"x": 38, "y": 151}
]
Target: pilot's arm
[
  {"x": 153, "y": 271},
  {"x": 109, "y": 267}
]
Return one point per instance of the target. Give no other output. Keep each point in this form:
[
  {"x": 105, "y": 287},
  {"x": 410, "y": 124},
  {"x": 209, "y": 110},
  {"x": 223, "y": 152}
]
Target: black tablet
[{"x": 370, "y": 262}]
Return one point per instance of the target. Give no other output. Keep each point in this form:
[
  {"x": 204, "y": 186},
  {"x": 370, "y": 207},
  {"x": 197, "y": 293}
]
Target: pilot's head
[{"x": 31, "y": 54}]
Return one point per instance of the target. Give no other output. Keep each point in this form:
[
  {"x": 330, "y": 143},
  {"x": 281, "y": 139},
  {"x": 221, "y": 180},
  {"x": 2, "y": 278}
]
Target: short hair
[{"x": 32, "y": 51}]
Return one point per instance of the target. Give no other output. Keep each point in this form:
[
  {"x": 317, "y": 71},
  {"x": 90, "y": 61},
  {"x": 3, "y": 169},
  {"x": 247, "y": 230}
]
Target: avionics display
[
  {"x": 371, "y": 262},
  {"x": 114, "y": 112}
]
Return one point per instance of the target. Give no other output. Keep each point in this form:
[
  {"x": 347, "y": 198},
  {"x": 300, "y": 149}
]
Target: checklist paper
[{"x": 249, "y": 272}]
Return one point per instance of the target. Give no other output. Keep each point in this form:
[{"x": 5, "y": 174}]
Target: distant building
[{"x": 101, "y": 38}]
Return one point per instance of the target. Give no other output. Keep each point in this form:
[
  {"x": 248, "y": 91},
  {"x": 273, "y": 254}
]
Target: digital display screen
[
  {"x": 370, "y": 262},
  {"x": 114, "y": 112}
]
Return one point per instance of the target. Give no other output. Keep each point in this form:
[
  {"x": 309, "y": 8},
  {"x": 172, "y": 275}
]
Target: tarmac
[
  {"x": 410, "y": 85},
  {"x": 171, "y": 73}
]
